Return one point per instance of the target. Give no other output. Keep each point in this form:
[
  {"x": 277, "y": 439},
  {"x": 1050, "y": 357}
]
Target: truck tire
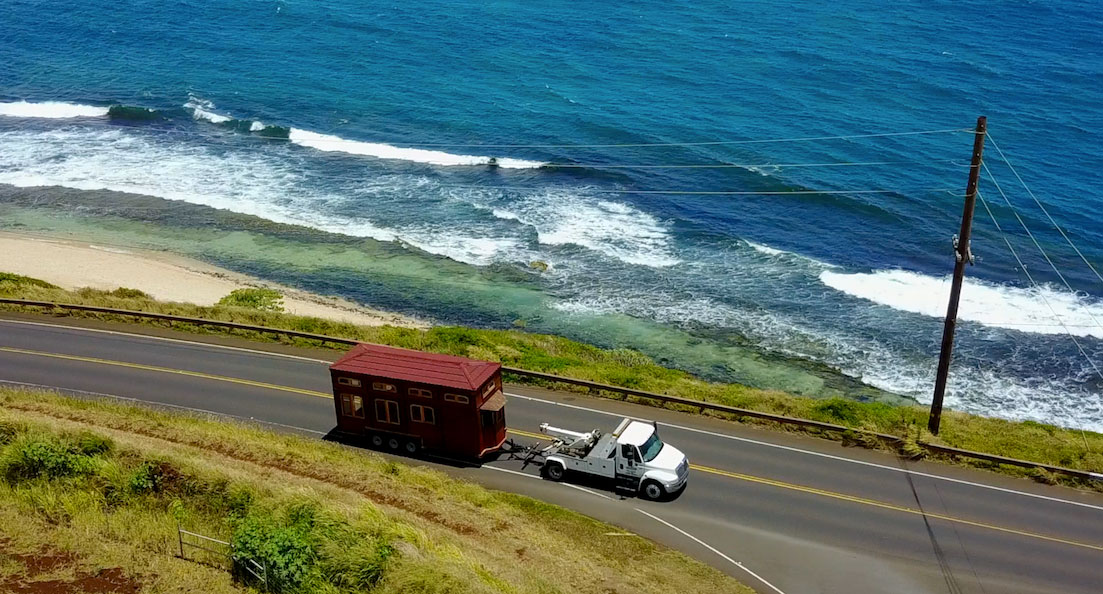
[
  {"x": 376, "y": 440},
  {"x": 652, "y": 490},
  {"x": 393, "y": 443},
  {"x": 554, "y": 471},
  {"x": 411, "y": 447}
]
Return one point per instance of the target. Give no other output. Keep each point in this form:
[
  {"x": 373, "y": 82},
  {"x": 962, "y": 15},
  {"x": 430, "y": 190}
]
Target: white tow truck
[{"x": 632, "y": 455}]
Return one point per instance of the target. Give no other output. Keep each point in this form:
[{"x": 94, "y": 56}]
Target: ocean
[{"x": 733, "y": 188}]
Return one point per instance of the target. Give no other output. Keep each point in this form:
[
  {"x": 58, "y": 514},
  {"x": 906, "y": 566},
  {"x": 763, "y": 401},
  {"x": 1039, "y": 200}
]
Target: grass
[
  {"x": 111, "y": 482},
  {"x": 1037, "y": 442}
]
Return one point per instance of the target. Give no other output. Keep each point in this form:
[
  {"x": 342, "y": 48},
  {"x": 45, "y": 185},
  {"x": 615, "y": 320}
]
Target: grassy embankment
[
  {"x": 1028, "y": 440},
  {"x": 102, "y": 486}
]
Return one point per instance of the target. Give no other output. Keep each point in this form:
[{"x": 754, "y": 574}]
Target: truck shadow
[{"x": 362, "y": 443}]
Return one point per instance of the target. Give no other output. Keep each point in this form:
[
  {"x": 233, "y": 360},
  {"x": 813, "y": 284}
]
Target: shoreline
[{"x": 73, "y": 264}]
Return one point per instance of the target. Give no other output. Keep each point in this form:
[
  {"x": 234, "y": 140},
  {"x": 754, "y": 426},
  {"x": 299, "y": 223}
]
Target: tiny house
[{"x": 407, "y": 401}]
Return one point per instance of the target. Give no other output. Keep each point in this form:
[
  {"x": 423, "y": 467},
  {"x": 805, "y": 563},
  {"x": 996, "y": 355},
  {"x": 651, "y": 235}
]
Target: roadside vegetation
[
  {"x": 101, "y": 488},
  {"x": 1037, "y": 442}
]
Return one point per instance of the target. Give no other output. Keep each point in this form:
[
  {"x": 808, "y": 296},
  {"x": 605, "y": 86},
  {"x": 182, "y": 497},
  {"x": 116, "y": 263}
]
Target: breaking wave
[
  {"x": 330, "y": 143},
  {"x": 51, "y": 109},
  {"x": 1044, "y": 310}
]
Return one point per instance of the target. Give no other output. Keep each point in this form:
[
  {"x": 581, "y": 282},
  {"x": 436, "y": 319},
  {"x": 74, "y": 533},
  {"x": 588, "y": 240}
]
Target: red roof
[{"x": 415, "y": 366}]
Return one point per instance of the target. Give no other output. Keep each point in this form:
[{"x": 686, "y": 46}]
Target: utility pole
[{"x": 962, "y": 254}]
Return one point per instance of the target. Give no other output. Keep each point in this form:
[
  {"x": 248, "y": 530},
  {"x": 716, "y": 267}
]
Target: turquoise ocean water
[{"x": 344, "y": 146}]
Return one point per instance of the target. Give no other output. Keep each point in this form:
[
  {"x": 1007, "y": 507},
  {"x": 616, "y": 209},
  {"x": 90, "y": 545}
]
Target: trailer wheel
[
  {"x": 652, "y": 490},
  {"x": 554, "y": 471},
  {"x": 411, "y": 447},
  {"x": 393, "y": 443},
  {"x": 376, "y": 440}
]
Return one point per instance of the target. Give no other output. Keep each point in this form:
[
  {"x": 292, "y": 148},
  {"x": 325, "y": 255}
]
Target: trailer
[
  {"x": 410, "y": 401},
  {"x": 632, "y": 456}
]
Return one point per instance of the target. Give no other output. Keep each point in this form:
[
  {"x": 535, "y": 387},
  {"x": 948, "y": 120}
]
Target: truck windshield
[{"x": 651, "y": 447}]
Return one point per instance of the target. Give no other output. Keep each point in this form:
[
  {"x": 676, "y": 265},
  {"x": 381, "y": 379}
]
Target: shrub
[
  {"x": 91, "y": 444},
  {"x": 154, "y": 476},
  {"x": 256, "y": 298},
  {"x": 9, "y": 430},
  {"x": 127, "y": 293},
  {"x": 18, "y": 280},
  {"x": 285, "y": 547},
  {"x": 32, "y": 457}
]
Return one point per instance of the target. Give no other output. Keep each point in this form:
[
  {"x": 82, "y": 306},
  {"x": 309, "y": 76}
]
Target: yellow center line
[
  {"x": 208, "y": 376},
  {"x": 863, "y": 501},
  {"x": 716, "y": 471}
]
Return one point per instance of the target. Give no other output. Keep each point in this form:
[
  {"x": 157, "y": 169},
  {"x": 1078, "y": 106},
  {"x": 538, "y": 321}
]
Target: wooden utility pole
[{"x": 962, "y": 254}]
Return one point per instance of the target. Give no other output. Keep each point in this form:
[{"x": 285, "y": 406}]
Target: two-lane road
[{"x": 779, "y": 512}]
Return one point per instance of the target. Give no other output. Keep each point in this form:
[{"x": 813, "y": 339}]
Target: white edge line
[
  {"x": 166, "y": 339},
  {"x": 828, "y": 456},
  {"x": 711, "y": 548},
  {"x": 583, "y": 489},
  {"x": 1094, "y": 475},
  {"x": 148, "y": 403}
]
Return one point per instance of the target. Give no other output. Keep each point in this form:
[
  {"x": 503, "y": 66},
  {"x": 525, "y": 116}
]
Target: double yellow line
[{"x": 697, "y": 467}]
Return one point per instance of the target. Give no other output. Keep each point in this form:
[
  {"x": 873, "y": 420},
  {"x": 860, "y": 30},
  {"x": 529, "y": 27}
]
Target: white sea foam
[
  {"x": 51, "y": 109},
  {"x": 769, "y": 251},
  {"x": 258, "y": 185},
  {"x": 614, "y": 229},
  {"x": 256, "y": 126},
  {"x": 1044, "y": 310},
  {"x": 201, "y": 110},
  {"x": 330, "y": 143}
]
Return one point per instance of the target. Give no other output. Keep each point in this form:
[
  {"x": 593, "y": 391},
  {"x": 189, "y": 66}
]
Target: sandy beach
[{"x": 72, "y": 264}]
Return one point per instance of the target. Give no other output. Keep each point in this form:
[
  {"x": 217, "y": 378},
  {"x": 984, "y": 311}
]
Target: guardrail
[{"x": 547, "y": 377}]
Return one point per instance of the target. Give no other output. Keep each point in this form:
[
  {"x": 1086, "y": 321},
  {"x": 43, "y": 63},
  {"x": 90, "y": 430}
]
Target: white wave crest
[
  {"x": 51, "y": 109},
  {"x": 259, "y": 185},
  {"x": 330, "y": 143},
  {"x": 1026, "y": 310},
  {"x": 614, "y": 229},
  {"x": 765, "y": 249},
  {"x": 201, "y": 110}
]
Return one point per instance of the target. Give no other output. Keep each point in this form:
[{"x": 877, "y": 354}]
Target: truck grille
[{"x": 683, "y": 468}]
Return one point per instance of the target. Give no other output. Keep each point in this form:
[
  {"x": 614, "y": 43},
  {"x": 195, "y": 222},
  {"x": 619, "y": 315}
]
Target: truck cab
[{"x": 633, "y": 456}]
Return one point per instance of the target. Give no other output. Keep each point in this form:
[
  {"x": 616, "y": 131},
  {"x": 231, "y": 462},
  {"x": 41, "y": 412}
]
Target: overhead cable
[
  {"x": 1042, "y": 294},
  {"x": 1041, "y": 206},
  {"x": 1033, "y": 239}
]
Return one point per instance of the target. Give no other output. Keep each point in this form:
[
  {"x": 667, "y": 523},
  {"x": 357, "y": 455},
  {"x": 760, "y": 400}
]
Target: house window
[
  {"x": 352, "y": 406},
  {"x": 348, "y": 381},
  {"x": 421, "y": 393},
  {"x": 490, "y": 388},
  {"x": 422, "y": 414},
  {"x": 382, "y": 387},
  {"x": 386, "y": 411},
  {"x": 491, "y": 418},
  {"x": 460, "y": 398}
]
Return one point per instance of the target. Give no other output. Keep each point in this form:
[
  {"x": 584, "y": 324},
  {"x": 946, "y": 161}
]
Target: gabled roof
[{"x": 415, "y": 366}]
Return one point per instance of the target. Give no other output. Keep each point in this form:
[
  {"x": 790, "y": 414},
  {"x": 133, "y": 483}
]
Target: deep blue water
[{"x": 849, "y": 279}]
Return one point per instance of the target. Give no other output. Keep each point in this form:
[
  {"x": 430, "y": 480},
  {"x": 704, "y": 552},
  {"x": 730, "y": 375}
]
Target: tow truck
[{"x": 632, "y": 456}]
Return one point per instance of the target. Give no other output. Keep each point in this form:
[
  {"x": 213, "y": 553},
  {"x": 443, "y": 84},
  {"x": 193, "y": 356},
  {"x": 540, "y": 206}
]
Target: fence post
[{"x": 180, "y": 537}]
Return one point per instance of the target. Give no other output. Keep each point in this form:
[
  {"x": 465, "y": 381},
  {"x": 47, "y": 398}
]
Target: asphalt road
[{"x": 782, "y": 513}]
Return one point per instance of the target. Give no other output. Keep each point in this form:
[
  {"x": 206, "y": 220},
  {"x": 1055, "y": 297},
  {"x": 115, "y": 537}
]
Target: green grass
[
  {"x": 1045, "y": 444},
  {"x": 111, "y": 482}
]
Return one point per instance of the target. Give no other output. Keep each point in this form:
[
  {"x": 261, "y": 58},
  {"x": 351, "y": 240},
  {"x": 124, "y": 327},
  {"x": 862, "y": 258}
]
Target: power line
[
  {"x": 1041, "y": 206},
  {"x": 1042, "y": 294},
  {"x": 742, "y": 165},
  {"x": 709, "y": 192},
  {"x": 1033, "y": 239},
  {"x": 660, "y": 144}
]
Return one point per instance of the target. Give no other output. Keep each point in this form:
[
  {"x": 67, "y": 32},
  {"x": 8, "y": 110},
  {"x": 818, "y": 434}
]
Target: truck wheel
[
  {"x": 652, "y": 490},
  {"x": 393, "y": 443},
  {"x": 376, "y": 440},
  {"x": 554, "y": 471},
  {"x": 411, "y": 447}
]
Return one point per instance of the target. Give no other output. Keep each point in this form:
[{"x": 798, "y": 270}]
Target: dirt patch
[{"x": 47, "y": 561}]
